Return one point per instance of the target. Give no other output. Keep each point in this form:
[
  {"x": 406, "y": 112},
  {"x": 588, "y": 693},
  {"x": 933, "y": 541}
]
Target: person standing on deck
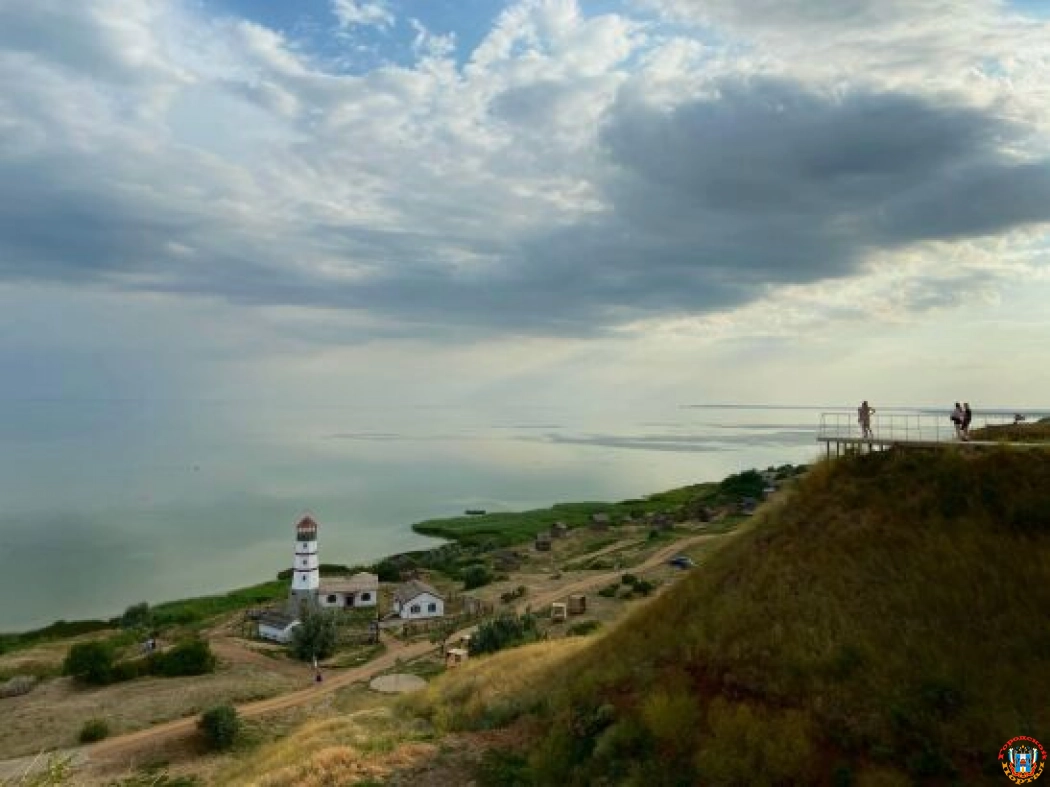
[
  {"x": 957, "y": 419},
  {"x": 967, "y": 418},
  {"x": 864, "y": 413}
]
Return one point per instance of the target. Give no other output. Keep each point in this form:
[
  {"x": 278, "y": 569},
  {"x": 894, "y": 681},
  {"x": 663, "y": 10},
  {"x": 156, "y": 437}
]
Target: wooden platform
[{"x": 854, "y": 445}]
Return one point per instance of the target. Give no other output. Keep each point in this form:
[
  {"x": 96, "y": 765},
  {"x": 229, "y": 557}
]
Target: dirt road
[
  {"x": 658, "y": 558},
  {"x": 123, "y": 748}
]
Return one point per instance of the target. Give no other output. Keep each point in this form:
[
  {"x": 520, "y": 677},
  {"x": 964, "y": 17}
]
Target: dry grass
[
  {"x": 367, "y": 745},
  {"x": 1038, "y": 432},
  {"x": 490, "y": 690},
  {"x": 872, "y": 621},
  {"x": 51, "y": 715}
]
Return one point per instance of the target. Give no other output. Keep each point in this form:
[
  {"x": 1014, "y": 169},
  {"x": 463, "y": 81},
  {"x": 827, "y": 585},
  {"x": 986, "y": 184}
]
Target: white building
[
  {"x": 359, "y": 590},
  {"x": 277, "y": 627},
  {"x": 415, "y": 600},
  {"x": 305, "y": 568}
]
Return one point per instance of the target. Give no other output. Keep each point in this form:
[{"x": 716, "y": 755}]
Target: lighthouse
[{"x": 305, "y": 573}]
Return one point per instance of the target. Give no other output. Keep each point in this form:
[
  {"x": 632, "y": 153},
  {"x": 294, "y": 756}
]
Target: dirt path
[
  {"x": 124, "y": 748},
  {"x": 658, "y": 558}
]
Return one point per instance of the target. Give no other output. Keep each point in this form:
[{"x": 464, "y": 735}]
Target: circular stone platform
[{"x": 397, "y": 684}]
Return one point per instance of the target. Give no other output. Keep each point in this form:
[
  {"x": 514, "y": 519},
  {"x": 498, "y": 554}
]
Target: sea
[{"x": 107, "y": 503}]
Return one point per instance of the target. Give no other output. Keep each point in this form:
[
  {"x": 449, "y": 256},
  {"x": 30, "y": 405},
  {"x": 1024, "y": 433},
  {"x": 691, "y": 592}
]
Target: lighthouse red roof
[{"x": 307, "y": 523}]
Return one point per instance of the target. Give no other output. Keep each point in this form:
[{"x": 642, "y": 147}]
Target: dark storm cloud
[
  {"x": 764, "y": 184},
  {"x": 707, "y": 205}
]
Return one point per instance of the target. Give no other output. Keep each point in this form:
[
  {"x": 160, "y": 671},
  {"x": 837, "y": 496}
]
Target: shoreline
[{"x": 481, "y": 533}]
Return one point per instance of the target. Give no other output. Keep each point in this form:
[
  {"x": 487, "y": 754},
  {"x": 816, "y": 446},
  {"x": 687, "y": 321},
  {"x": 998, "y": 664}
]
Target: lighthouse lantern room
[{"x": 305, "y": 569}]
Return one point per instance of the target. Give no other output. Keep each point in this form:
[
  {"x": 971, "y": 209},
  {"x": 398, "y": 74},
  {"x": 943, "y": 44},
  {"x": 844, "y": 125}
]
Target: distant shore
[{"x": 479, "y": 532}]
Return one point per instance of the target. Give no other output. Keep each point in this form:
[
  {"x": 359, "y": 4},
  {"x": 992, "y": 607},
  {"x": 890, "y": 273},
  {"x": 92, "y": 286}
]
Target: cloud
[
  {"x": 358, "y": 13},
  {"x": 577, "y": 175}
]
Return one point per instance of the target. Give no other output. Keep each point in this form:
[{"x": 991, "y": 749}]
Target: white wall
[
  {"x": 423, "y": 602},
  {"x": 340, "y": 599}
]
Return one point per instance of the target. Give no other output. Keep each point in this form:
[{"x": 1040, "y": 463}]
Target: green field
[{"x": 500, "y": 529}]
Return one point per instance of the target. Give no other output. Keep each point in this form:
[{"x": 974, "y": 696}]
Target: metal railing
[{"x": 901, "y": 427}]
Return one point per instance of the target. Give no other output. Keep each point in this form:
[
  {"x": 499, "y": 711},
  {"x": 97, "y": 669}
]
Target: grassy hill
[{"x": 886, "y": 625}]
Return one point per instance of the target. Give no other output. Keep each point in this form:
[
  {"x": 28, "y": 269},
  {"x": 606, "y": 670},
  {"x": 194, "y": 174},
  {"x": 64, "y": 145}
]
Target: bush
[
  {"x": 387, "y": 571},
  {"x": 315, "y": 637},
  {"x": 189, "y": 657},
  {"x": 629, "y": 579},
  {"x": 609, "y": 591},
  {"x": 503, "y": 632},
  {"x": 475, "y": 576},
  {"x": 93, "y": 730},
  {"x": 220, "y": 726},
  {"x": 90, "y": 662},
  {"x": 643, "y": 587},
  {"x": 136, "y": 616},
  {"x": 750, "y": 483},
  {"x": 583, "y": 628}
]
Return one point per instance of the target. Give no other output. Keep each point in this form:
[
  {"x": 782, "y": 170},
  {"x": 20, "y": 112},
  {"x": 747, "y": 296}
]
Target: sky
[{"x": 479, "y": 204}]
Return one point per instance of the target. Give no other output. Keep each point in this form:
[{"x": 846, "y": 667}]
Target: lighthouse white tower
[{"x": 305, "y": 570}]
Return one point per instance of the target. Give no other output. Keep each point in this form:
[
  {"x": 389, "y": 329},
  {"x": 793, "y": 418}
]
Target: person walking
[
  {"x": 957, "y": 419},
  {"x": 864, "y": 413},
  {"x": 966, "y": 420}
]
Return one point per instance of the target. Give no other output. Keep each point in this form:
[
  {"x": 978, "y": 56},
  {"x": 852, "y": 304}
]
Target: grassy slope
[
  {"x": 1038, "y": 432},
  {"x": 888, "y": 625}
]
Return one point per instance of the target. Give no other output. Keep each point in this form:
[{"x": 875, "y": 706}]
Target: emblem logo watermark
[{"x": 1022, "y": 759}]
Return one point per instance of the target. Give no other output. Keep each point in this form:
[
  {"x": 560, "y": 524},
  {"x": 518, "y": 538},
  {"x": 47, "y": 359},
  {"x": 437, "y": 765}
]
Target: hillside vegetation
[
  {"x": 1037, "y": 432},
  {"x": 504, "y": 528},
  {"x": 886, "y": 625}
]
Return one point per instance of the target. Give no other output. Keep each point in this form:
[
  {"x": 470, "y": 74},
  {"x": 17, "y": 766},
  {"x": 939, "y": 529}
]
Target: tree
[
  {"x": 315, "y": 636},
  {"x": 387, "y": 571},
  {"x": 93, "y": 730},
  {"x": 136, "y": 616},
  {"x": 90, "y": 662},
  {"x": 220, "y": 726}
]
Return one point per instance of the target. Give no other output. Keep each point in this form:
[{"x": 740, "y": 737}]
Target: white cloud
[
  {"x": 572, "y": 179},
  {"x": 362, "y": 13}
]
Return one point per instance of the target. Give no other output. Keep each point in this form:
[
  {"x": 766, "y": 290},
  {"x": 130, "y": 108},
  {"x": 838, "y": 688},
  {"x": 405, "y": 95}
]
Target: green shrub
[
  {"x": 475, "y": 576},
  {"x": 189, "y": 657},
  {"x": 90, "y": 662},
  {"x": 315, "y": 637},
  {"x": 503, "y": 632},
  {"x": 643, "y": 587},
  {"x": 220, "y": 726},
  {"x": 387, "y": 571},
  {"x": 93, "y": 730},
  {"x": 136, "y": 616},
  {"x": 747, "y": 484},
  {"x": 629, "y": 579},
  {"x": 609, "y": 591}
]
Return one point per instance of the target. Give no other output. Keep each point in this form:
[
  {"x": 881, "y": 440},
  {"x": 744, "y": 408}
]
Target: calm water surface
[{"x": 111, "y": 502}]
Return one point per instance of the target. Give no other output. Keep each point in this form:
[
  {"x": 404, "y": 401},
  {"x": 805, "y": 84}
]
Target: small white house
[
  {"x": 359, "y": 590},
  {"x": 415, "y": 600},
  {"x": 277, "y": 627}
]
